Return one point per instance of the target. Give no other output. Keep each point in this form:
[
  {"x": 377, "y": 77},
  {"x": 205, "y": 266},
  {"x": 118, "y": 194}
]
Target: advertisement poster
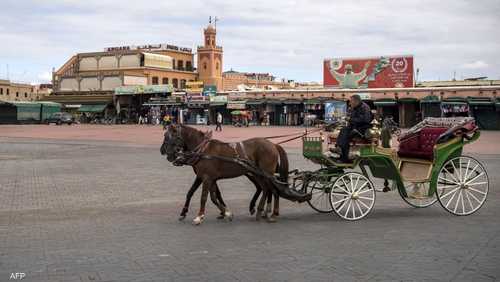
[
  {"x": 375, "y": 72},
  {"x": 335, "y": 110}
]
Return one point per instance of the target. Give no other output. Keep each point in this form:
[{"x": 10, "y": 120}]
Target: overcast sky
[{"x": 287, "y": 38}]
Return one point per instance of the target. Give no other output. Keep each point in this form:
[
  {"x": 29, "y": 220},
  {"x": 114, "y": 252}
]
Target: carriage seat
[
  {"x": 358, "y": 139},
  {"x": 419, "y": 141}
]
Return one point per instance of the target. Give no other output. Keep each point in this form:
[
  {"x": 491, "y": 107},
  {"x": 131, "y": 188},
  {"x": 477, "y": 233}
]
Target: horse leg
[
  {"x": 262, "y": 201},
  {"x": 189, "y": 195},
  {"x": 276, "y": 210},
  {"x": 269, "y": 203},
  {"x": 203, "y": 202},
  {"x": 216, "y": 199},
  {"x": 255, "y": 196}
]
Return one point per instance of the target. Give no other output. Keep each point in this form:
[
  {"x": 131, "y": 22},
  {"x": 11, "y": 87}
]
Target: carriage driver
[{"x": 359, "y": 120}]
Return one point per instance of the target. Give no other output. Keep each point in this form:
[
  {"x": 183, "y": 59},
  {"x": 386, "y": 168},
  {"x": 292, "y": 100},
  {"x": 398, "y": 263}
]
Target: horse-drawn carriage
[{"x": 428, "y": 166}]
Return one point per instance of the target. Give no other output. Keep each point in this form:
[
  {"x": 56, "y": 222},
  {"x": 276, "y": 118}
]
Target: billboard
[{"x": 374, "y": 72}]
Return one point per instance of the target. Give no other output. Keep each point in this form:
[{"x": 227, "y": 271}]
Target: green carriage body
[{"x": 383, "y": 162}]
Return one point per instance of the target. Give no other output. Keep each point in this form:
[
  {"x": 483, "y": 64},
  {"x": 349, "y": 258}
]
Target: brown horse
[{"x": 211, "y": 161}]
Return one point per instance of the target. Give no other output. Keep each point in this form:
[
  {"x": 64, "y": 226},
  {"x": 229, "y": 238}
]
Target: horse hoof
[
  {"x": 198, "y": 220},
  {"x": 182, "y": 217},
  {"x": 272, "y": 219},
  {"x": 252, "y": 211},
  {"x": 228, "y": 216}
]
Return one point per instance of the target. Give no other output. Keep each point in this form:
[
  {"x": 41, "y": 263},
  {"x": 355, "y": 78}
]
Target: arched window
[
  {"x": 205, "y": 66},
  {"x": 164, "y": 80},
  {"x": 217, "y": 66}
]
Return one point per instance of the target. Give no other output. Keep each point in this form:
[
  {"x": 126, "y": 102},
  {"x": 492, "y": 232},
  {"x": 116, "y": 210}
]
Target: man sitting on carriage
[{"x": 360, "y": 117}]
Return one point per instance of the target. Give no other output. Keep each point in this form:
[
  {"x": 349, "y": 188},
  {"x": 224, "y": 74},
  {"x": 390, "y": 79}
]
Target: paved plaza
[{"x": 99, "y": 203}]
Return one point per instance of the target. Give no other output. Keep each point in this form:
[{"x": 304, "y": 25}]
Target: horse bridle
[{"x": 179, "y": 146}]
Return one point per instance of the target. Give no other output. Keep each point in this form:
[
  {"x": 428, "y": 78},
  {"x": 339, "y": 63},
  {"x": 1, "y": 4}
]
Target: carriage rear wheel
[
  {"x": 417, "y": 194},
  {"x": 462, "y": 185},
  {"x": 352, "y": 196},
  {"x": 319, "y": 186}
]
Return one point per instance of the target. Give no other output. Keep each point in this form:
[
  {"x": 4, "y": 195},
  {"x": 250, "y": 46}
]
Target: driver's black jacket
[{"x": 360, "y": 118}]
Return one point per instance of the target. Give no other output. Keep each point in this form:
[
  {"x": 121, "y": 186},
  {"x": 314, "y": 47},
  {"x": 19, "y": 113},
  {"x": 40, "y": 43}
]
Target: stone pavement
[
  {"x": 107, "y": 211},
  {"x": 152, "y": 135}
]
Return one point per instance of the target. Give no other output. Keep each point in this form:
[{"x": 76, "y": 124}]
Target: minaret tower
[{"x": 210, "y": 58}]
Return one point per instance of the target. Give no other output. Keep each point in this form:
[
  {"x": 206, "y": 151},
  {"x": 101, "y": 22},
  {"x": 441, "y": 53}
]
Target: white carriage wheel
[
  {"x": 462, "y": 185},
  {"x": 352, "y": 196},
  {"x": 319, "y": 187},
  {"x": 417, "y": 194}
]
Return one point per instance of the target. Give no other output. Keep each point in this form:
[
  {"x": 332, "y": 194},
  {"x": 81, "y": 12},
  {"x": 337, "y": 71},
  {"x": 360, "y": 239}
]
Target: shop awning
[
  {"x": 312, "y": 102},
  {"x": 385, "y": 103},
  {"x": 480, "y": 102},
  {"x": 198, "y": 104},
  {"x": 92, "y": 108},
  {"x": 255, "y": 102},
  {"x": 274, "y": 102},
  {"x": 217, "y": 104},
  {"x": 451, "y": 103},
  {"x": 407, "y": 100},
  {"x": 430, "y": 99}
]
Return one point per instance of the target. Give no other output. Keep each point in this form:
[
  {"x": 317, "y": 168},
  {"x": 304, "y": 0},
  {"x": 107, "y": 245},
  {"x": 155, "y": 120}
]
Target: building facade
[
  {"x": 12, "y": 91},
  {"x": 120, "y": 66},
  {"x": 232, "y": 80}
]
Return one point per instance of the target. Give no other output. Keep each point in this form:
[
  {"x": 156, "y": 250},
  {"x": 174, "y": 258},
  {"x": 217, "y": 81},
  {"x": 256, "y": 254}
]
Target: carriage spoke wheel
[
  {"x": 417, "y": 194},
  {"x": 319, "y": 187},
  {"x": 352, "y": 196},
  {"x": 462, "y": 185}
]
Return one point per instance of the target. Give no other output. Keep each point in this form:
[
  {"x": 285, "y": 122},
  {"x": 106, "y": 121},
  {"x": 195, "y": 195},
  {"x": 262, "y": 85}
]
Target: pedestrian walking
[{"x": 218, "y": 122}]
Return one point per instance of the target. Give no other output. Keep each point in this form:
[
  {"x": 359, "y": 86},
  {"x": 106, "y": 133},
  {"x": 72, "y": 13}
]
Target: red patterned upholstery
[{"x": 420, "y": 144}]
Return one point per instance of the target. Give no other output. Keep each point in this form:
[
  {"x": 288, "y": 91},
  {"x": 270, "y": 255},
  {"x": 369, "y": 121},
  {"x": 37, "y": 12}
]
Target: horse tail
[{"x": 283, "y": 164}]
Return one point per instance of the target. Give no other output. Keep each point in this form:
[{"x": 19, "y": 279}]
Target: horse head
[{"x": 173, "y": 143}]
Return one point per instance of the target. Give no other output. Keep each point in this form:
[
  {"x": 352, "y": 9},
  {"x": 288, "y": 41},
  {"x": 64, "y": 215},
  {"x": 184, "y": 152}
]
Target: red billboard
[{"x": 375, "y": 72}]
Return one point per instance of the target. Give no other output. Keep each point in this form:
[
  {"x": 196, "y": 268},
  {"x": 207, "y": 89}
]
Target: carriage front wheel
[
  {"x": 352, "y": 196},
  {"x": 462, "y": 185}
]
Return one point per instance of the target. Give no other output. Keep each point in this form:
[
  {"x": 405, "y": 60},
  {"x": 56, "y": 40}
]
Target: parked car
[{"x": 60, "y": 118}]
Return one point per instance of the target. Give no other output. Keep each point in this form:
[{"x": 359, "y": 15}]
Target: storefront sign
[
  {"x": 236, "y": 105},
  {"x": 143, "y": 89},
  {"x": 218, "y": 99},
  {"x": 209, "y": 90},
  {"x": 149, "y": 47},
  {"x": 335, "y": 110}
]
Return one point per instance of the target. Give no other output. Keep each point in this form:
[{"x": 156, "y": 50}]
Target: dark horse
[{"x": 212, "y": 161}]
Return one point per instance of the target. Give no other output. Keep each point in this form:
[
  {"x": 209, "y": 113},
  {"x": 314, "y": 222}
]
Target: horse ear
[{"x": 209, "y": 134}]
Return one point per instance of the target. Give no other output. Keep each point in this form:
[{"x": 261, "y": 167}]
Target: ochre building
[{"x": 12, "y": 91}]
